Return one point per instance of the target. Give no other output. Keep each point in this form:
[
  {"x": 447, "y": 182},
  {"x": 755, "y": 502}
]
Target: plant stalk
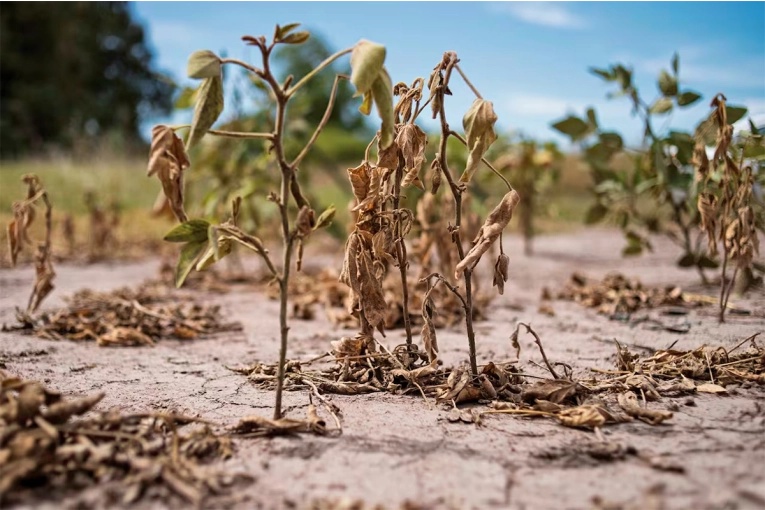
[{"x": 401, "y": 249}]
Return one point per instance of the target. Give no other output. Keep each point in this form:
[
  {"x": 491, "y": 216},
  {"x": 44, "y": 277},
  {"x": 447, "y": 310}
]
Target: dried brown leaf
[
  {"x": 628, "y": 401},
  {"x": 411, "y": 140},
  {"x": 479, "y": 131},
  {"x": 168, "y": 160},
  {"x": 495, "y": 222},
  {"x": 500, "y": 272}
]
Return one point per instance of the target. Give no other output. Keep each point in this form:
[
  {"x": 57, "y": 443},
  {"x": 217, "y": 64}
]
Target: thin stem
[
  {"x": 401, "y": 249},
  {"x": 457, "y": 194},
  {"x": 229, "y": 134},
  {"x": 484, "y": 160},
  {"x": 455, "y": 290},
  {"x": 323, "y": 123},
  {"x": 247, "y": 66},
  {"x": 305, "y": 79},
  {"x": 464, "y": 77},
  {"x": 541, "y": 349}
]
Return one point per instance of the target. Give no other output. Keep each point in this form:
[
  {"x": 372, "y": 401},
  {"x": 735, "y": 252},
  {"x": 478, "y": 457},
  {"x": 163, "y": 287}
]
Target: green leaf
[
  {"x": 572, "y": 126},
  {"x": 688, "y": 98},
  {"x": 296, "y": 38},
  {"x": 661, "y": 106},
  {"x": 214, "y": 253},
  {"x": 611, "y": 139},
  {"x": 186, "y": 98},
  {"x": 382, "y": 93},
  {"x": 675, "y": 63},
  {"x": 325, "y": 219},
  {"x": 624, "y": 76},
  {"x": 606, "y": 75},
  {"x": 595, "y": 214},
  {"x": 667, "y": 84},
  {"x": 367, "y": 59},
  {"x": 189, "y": 256},
  {"x": 203, "y": 64},
  {"x": 282, "y": 32},
  {"x": 734, "y": 113},
  {"x": 753, "y": 128},
  {"x": 191, "y": 231},
  {"x": 209, "y": 106},
  {"x": 592, "y": 118}
]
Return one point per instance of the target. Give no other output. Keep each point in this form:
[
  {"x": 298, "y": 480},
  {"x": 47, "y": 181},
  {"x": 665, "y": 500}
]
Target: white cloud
[
  {"x": 553, "y": 107},
  {"x": 541, "y": 13},
  {"x": 705, "y": 66}
]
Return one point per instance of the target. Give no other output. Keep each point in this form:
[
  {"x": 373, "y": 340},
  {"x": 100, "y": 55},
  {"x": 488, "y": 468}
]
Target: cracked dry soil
[{"x": 397, "y": 448}]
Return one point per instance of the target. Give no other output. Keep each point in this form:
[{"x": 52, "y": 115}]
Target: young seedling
[
  {"x": 24, "y": 214},
  {"x": 205, "y": 243}
]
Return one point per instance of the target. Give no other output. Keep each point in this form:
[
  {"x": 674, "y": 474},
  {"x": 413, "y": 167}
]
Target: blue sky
[{"x": 529, "y": 58}]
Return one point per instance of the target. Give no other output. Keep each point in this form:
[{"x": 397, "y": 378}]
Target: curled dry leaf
[
  {"x": 556, "y": 391},
  {"x": 168, "y": 159},
  {"x": 479, "y": 131},
  {"x": 428, "y": 334},
  {"x": 586, "y": 416},
  {"x": 306, "y": 220},
  {"x": 628, "y": 401},
  {"x": 489, "y": 232},
  {"x": 411, "y": 140},
  {"x": 500, "y": 272},
  {"x": 260, "y": 426}
]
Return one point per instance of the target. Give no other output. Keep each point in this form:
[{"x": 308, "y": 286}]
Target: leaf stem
[
  {"x": 464, "y": 77},
  {"x": 484, "y": 160},
  {"x": 305, "y": 79},
  {"x": 323, "y": 123}
]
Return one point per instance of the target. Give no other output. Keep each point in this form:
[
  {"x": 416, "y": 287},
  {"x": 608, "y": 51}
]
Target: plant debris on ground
[
  {"x": 44, "y": 445},
  {"x": 127, "y": 317},
  {"x": 617, "y": 294}
]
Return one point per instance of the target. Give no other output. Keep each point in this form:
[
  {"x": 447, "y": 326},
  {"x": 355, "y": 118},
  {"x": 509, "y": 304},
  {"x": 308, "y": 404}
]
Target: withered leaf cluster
[
  {"x": 128, "y": 317},
  {"x": 23, "y": 215},
  {"x": 618, "y": 294},
  {"x": 44, "y": 447},
  {"x": 168, "y": 160},
  {"x": 495, "y": 223}
]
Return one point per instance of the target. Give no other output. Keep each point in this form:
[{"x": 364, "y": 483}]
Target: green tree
[{"x": 71, "y": 71}]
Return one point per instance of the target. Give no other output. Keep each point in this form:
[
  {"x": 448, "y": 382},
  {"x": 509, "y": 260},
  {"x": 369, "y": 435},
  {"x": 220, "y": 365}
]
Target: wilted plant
[
  {"x": 24, "y": 213},
  {"x": 533, "y": 167},
  {"x": 206, "y": 243},
  {"x": 379, "y": 235},
  {"x": 725, "y": 200},
  {"x": 661, "y": 173}
]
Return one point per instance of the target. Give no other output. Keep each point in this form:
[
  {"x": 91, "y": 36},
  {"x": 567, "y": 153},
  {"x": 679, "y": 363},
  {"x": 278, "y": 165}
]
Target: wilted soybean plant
[
  {"x": 207, "y": 243},
  {"x": 379, "y": 234}
]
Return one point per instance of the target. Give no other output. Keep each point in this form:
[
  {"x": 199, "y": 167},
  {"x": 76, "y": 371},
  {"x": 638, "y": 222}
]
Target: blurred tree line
[{"x": 73, "y": 72}]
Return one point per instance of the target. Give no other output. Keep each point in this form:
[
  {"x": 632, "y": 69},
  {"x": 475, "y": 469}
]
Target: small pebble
[
  {"x": 690, "y": 402},
  {"x": 672, "y": 406}
]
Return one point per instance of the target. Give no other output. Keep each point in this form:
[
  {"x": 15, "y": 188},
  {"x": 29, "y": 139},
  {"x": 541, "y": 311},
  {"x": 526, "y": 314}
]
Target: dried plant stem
[
  {"x": 457, "y": 194},
  {"x": 464, "y": 77},
  {"x": 229, "y": 134},
  {"x": 538, "y": 341},
  {"x": 401, "y": 250},
  {"x": 456, "y": 191}
]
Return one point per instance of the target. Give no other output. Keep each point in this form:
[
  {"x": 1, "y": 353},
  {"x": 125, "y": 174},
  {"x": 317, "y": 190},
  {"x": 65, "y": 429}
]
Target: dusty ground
[{"x": 396, "y": 448}]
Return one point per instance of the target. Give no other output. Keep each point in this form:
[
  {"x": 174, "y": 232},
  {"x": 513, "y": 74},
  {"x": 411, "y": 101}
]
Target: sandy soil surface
[{"x": 396, "y": 448}]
